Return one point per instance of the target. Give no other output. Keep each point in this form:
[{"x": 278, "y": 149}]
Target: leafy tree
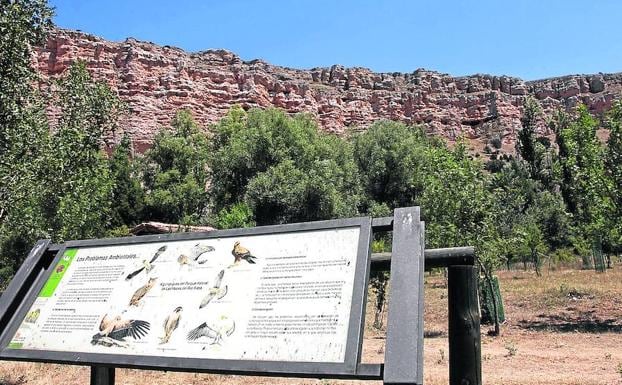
[
  {"x": 536, "y": 150},
  {"x": 175, "y": 173},
  {"x": 127, "y": 194},
  {"x": 526, "y": 138},
  {"x": 400, "y": 166},
  {"x": 613, "y": 165},
  {"x": 23, "y": 130},
  {"x": 584, "y": 186},
  {"x": 282, "y": 168},
  {"x": 239, "y": 215},
  {"x": 532, "y": 244},
  {"x": 455, "y": 200},
  {"x": 23, "y": 24},
  {"x": 390, "y": 157},
  {"x": 77, "y": 198},
  {"x": 549, "y": 213}
]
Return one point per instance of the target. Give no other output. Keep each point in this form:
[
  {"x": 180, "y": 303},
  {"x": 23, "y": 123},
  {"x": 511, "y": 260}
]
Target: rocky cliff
[{"x": 156, "y": 81}]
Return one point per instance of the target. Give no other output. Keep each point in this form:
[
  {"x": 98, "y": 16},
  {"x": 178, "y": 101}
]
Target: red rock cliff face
[{"x": 156, "y": 81}]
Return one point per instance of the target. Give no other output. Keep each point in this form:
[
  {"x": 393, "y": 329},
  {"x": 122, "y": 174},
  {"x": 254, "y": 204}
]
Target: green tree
[
  {"x": 127, "y": 194},
  {"x": 77, "y": 198},
  {"x": 23, "y": 25},
  {"x": 534, "y": 150},
  {"x": 283, "y": 168},
  {"x": 390, "y": 157},
  {"x": 584, "y": 185},
  {"x": 613, "y": 165},
  {"x": 175, "y": 173},
  {"x": 23, "y": 131},
  {"x": 532, "y": 244},
  {"x": 239, "y": 215},
  {"x": 455, "y": 200},
  {"x": 526, "y": 138}
]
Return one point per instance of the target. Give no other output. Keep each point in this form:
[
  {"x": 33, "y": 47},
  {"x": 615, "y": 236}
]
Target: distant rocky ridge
[{"x": 156, "y": 81}]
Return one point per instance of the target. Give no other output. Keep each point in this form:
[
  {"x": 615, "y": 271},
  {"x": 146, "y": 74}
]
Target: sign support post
[
  {"x": 465, "y": 365},
  {"x": 102, "y": 375},
  {"x": 404, "y": 345}
]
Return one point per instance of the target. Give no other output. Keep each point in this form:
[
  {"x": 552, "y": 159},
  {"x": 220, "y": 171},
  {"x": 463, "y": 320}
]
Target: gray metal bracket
[{"x": 22, "y": 281}]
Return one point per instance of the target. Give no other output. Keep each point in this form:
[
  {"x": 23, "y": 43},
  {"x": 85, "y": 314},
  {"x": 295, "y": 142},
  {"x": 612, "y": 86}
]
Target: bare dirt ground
[{"x": 562, "y": 328}]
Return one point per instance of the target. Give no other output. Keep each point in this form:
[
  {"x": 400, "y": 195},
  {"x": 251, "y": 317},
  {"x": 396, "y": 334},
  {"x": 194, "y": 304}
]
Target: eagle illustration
[
  {"x": 113, "y": 331},
  {"x": 141, "y": 292},
  {"x": 241, "y": 253}
]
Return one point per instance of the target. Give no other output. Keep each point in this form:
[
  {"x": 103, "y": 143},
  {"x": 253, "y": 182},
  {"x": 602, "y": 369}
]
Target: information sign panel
[{"x": 289, "y": 294}]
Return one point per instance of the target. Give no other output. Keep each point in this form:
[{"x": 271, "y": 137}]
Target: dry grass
[{"x": 562, "y": 328}]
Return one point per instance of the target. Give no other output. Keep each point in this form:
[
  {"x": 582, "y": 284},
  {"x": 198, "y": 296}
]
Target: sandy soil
[{"x": 562, "y": 328}]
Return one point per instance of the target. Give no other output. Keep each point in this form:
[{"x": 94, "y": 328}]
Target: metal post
[
  {"x": 102, "y": 375},
  {"x": 465, "y": 363},
  {"x": 403, "y": 357}
]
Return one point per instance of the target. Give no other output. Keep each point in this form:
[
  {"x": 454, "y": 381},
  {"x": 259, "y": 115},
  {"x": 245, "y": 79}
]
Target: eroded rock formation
[{"x": 156, "y": 81}]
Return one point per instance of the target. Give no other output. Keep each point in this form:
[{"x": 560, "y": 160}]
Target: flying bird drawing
[
  {"x": 113, "y": 331},
  {"x": 215, "y": 333},
  {"x": 215, "y": 291},
  {"x": 241, "y": 253},
  {"x": 195, "y": 252},
  {"x": 170, "y": 324},
  {"x": 147, "y": 266},
  {"x": 140, "y": 293}
]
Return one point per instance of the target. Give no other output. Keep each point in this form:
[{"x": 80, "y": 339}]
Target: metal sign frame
[{"x": 404, "y": 344}]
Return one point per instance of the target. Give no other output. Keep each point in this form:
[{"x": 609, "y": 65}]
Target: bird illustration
[
  {"x": 147, "y": 266},
  {"x": 215, "y": 291},
  {"x": 170, "y": 324},
  {"x": 183, "y": 260},
  {"x": 241, "y": 253},
  {"x": 112, "y": 331},
  {"x": 195, "y": 252},
  {"x": 225, "y": 327},
  {"x": 140, "y": 293}
]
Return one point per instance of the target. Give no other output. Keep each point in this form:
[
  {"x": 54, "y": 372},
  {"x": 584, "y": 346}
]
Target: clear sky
[{"x": 530, "y": 39}]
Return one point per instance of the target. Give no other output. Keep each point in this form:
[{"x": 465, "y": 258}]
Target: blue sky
[{"x": 528, "y": 39}]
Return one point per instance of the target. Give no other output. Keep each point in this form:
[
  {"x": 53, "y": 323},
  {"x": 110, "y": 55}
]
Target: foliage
[
  {"x": 613, "y": 167},
  {"x": 77, "y": 200},
  {"x": 400, "y": 166},
  {"x": 584, "y": 186},
  {"x": 127, "y": 193},
  {"x": 282, "y": 167},
  {"x": 390, "y": 157},
  {"x": 23, "y": 130},
  {"x": 532, "y": 244},
  {"x": 526, "y": 138},
  {"x": 68, "y": 189},
  {"x": 549, "y": 213},
  {"x": 238, "y": 215},
  {"x": 455, "y": 201},
  {"x": 536, "y": 151},
  {"x": 175, "y": 173},
  {"x": 378, "y": 282},
  {"x": 23, "y": 24},
  {"x": 264, "y": 167}
]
